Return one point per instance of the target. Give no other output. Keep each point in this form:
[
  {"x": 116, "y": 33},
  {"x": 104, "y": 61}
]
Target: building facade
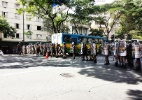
[
  {"x": 24, "y": 23},
  {"x": 32, "y": 24}
]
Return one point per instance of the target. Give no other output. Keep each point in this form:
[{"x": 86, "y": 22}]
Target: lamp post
[{"x": 23, "y": 25}]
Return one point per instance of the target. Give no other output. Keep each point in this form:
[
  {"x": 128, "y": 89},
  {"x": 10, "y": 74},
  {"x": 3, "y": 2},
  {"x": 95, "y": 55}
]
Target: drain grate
[{"x": 67, "y": 75}]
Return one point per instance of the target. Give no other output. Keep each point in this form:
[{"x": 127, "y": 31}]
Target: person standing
[
  {"x": 83, "y": 51},
  {"x": 137, "y": 63},
  {"x": 64, "y": 50},
  {"x": 19, "y": 48},
  {"x": 106, "y": 53},
  {"x": 116, "y": 53},
  {"x": 73, "y": 49},
  {"x": 56, "y": 50},
  {"x": 93, "y": 48},
  {"x": 52, "y": 50},
  {"x": 38, "y": 49},
  {"x": 129, "y": 55},
  {"x": 123, "y": 53}
]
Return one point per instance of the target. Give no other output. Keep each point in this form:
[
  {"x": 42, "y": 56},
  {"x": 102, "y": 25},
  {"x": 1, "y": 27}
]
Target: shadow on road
[
  {"x": 108, "y": 73},
  {"x": 112, "y": 73},
  {"x": 135, "y": 94},
  {"x": 13, "y": 62}
]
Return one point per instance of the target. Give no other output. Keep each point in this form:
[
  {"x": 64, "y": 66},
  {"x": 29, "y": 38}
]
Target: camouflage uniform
[
  {"x": 64, "y": 50},
  {"x": 123, "y": 53},
  {"x": 116, "y": 53},
  {"x": 137, "y": 63},
  {"x": 72, "y": 48},
  {"x": 93, "y": 50},
  {"x": 106, "y": 53}
]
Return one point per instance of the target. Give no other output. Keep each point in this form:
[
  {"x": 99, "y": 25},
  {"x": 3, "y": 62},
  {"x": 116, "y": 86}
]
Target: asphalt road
[{"x": 37, "y": 78}]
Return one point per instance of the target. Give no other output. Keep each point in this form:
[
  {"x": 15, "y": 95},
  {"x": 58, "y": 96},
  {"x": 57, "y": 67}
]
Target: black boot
[
  {"x": 116, "y": 64},
  {"x": 95, "y": 61}
]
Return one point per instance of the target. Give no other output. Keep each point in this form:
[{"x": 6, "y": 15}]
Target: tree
[
  {"x": 43, "y": 9},
  {"x": 5, "y": 28},
  {"x": 108, "y": 16},
  {"x": 131, "y": 21},
  {"x": 96, "y": 32},
  {"x": 82, "y": 9}
]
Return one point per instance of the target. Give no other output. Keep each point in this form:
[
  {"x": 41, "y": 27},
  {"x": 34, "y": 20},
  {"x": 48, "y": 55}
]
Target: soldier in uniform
[
  {"x": 73, "y": 49},
  {"x": 129, "y": 55},
  {"x": 93, "y": 48},
  {"x": 123, "y": 53},
  {"x": 82, "y": 51},
  {"x": 38, "y": 49},
  {"x": 106, "y": 53},
  {"x": 137, "y": 63},
  {"x": 56, "y": 50},
  {"x": 116, "y": 53},
  {"x": 85, "y": 52},
  {"x": 59, "y": 51},
  {"x": 64, "y": 50},
  {"x": 52, "y": 50},
  {"x": 19, "y": 48},
  {"x": 23, "y": 49},
  {"x": 44, "y": 49}
]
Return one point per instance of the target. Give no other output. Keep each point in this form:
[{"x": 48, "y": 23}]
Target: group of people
[
  {"x": 128, "y": 54},
  {"x": 125, "y": 54},
  {"x": 37, "y": 49}
]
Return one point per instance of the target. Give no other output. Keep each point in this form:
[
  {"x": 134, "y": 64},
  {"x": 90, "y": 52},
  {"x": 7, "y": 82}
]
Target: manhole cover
[{"x": 68, "y": 75}]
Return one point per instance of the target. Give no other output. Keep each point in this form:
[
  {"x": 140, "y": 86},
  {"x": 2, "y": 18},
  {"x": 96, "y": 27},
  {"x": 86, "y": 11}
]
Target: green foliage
[
  {"x": 6, "y": 28},
  {"x": 108, "y": 16},
  {"x": 28, "y": 33},
  {"x": 131, "y": 21},
  {"x": 96, "y": 32},
  {"x": 43, "y": 9},
  {"x": 82, "y": 9}
]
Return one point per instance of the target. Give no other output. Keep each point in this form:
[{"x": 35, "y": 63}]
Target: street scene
[
  {"x": 28, "y": 77},
  {"x": 70, "y": 49}
]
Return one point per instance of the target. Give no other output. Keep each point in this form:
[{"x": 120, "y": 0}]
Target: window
[
  {"x": 17, "y": 5},
  {"x": 5, "y": 35},
  {"x": 96, "y": 40},
  {"x": 28, "y": 27},
  {"x": 17, "y": 35},
  {"x": 17, "y": 25},
  {"x": 38, "y": 27},
  {"x": 4, "y": 4},
  {"x": 80, "y": 39},
  {"x": 74, "y": 40},
  {"x": 100, "y": 41},
  {"x": 67, "y": 39},
  {"x": 39, "y": 36},
  {"x": 84, "y": 40},
  {"x": 17, "y": 16},
  {"x": 5, "y": 14}
]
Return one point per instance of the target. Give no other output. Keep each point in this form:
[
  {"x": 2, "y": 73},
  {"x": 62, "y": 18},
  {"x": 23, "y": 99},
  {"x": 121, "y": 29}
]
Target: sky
[{"x": 103, "y": 1}]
